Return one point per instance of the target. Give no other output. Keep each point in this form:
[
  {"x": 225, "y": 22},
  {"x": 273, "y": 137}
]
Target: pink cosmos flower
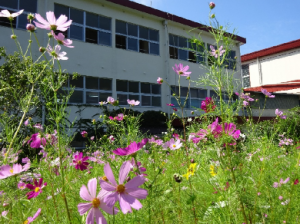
[
  {"x": 131, "y": 149},
  {"x": 21, "y": 185},
  {"x": 245, "y": 103},
  {"x": 56, "y": 52},
  {"x": 127, "y": 194},
  {"x": 276, "y": 185},
  {"x": 26, "y": 123},
  {"x": 133, "y": 102},
  {"x": 38, "y": 126},
  {"x": 36, "y": 188},
  {"x": 36, "y": 141},
  {"x": 94, "y": 203},
  {"x": 4, "y": 213},
  {"x": 159, "y": 80},
  {"x": 182, "y": 71},
  {"x": 84, "y": 134},
  {"x": 79, "y": 161},
  {"x": 175, "y": 109},
  {"x": 31, "y": 219},
  {"x": 6, "y": 13},
  {"x": 170, "y": 104},
  {"x": 215, "y": 128},
  {"x": 230, "y": 129},
  {"x": 137, "y": 166},
  {"x": 172, "y": 144},
  {"x": 280, "y": 114},
  {"x": 110, "y": 100},
  {"x": 62, "y": 41},
  {"x": 102, "y": 103},
  {"x": 280, "y": 197},
  {"x": 52, "y": 24},
  {"x": 197, "y": 137},
  {"x": 208, "y": 105},
  {"x": 92, "y": 138},
  {"x": 111, "y": 138},
  {"x": 246, "y": 97},
  {"x": 216, "y": 53},
  {"x": 267, "y": 94},
  {"x": 7, "y": 170}
]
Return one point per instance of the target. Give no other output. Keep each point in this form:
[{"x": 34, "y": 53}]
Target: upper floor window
[
  {"x": 194, "y": 98},
  {"x": 246, "y": 76},
  {"x": 181, "y": 48},
  {"x": 149, "y": 94},
  {"x": 29, "y": 6},
  {"x": 88, "y": 27},
  {"x": 137, "y": 38}
]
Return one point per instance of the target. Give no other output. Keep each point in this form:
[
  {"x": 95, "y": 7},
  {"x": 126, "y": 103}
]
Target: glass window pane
[
  {"x": 62, "y": 93},
  {"x": 183, "y": 91},
  {"x": 122, "y": 85},
  {"x": 121, "y": 27},
  {"x": 92, "y": 97},
  {"x": 91, "y": 36},
  {"x": 120, "y": 42},
  {"x": 192, "y": 57},
  {"x": 134, "y": 87},
  {"x": 76, "y": 15},
  {"x": 77, "y": 97},
  {"x": 154, "y": 48},
  {"x": 77, "y": 83},
  {"x": 245, "y": 70},
  {"x": 182, "y": 42},
  {"x": 145, "y": 87},
  {"x": 195, "y": 103},
  {"x": 91, "y": 82},
  {"x": 174, "y": 101},
  {"x": 173, "y": 40},
  {"x": 104, "y": 38},
  {"x": 132, "y": 30},
  {"x": 200, "y": 58},
  {"x": 122, "y": 99},
  {"x": 174, "y": 89},
  {"x": 76, "y": 32},
  {"x": 9, "y": 3},
  {"x": 202, "y": 93},
  {"x": 61, "y": 10},
  {"x": 103, "y": 96},
  {"x": 153, "y": 34},
  {"x": 213, "y": 94},
  {"x": 146, "y": 100},
  {"x": 132, "y": 44},
  {"x": 105, "y": 84},
  {"x": 134, "y": 97},
  {"x": 144, "y": 32},
  {"x": 173, "y": 52},
  {"x": 182, "y": 54},
  {"x": 91, "y": 19},
  {"x": 28, "y": 5},
  {"x": 156, "y": 88},
  {"x": 22, "y": 21},
  {"x": 144, "y": 46},
  {"x": 156, "y": 101},
  {"x": 194, "y": 93},
  {"x": 104, "y": 23},
  {"x": 184, "y": 102},
  {"x": 246, "y": 82}
]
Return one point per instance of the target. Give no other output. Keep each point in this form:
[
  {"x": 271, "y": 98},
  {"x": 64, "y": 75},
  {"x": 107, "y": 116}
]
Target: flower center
[
  {"x": 53, "y": 53},
  {"x": 174, "y": 146},
  {"x": 96, "y": 202},
  {"x": 26, "y": 222},
  {"x": 180, "y": 72},
  {"x": 53, "y": 27},
  {"x": 79, "y": 162},
  {"x": 121, "y": 188},
  {"x": 59, "y": 42},
  {"x": 11, "y": 170},
  {"x": 104, "y": 178},
  {"x": 36, "y": 189}
]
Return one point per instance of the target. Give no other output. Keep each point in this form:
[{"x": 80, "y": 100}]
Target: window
[
  {"x": 246, "y": 76},
  {"x": 181, "y": 48},
  {"x": 88, "y": 27},
  {"x": 194, "y": 99},
  {"x": 148, "y": 94},
  {"x": 89, "y": 90},
  {"x": 229, "y": 62},
  {"x": 216, "y": 97},
  {"x": 20, "y": 22},
  {"x": 137, "y": 38}
]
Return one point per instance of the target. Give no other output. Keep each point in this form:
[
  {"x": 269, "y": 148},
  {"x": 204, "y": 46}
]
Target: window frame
[{"x": 245, "y": 76}]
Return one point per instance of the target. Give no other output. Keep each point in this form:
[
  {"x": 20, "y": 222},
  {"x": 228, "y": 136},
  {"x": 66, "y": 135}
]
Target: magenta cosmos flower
[
  {"x": 216, "y": 53},
  {"x": 79, "y": 161},
  {"x": 56, "y": 52},
  {"x": 131, "y": 149},
  {"x": 7, "y": 170},
  {"x": 36, "y": 188},
  {"x": 133, "y": 102},
  {"x": 127, "y": 194},
  {"x": 208, "y": 105},
  {"x": 159, "y": 80},
  {"x": 95, "y": 202},
  {"x": 60, "y": 38},
  {"x": 182, "y": 71},
  {"x": 31, "y": 219},
  {"x": 84, "y": 134},
  {"x": 267, "y": 94},
  {"x": 36, "y": 141},
  {"x": 230, "y": 129},
  {"x": 52, "y": 24},
  {"x": 6, "y": 13}
]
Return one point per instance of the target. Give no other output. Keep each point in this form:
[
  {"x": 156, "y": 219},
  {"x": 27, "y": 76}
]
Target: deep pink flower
[
  {"x": 84, "y": 134},
  {"x": 170, "y": 104},
  {"x": 36, "y": 188},
  {"x": 267, "y": 94},
  {"x": 216, "y": 53},
  {"x": 95, "y": 202},
  {"x": 182, "y": 71},
  {"x": 215, "y": 128},
  {"x": 56, "y": 52},
  {"x": 52, "y": 24},
  {"x": 159, "y": 80},
  {"x": 230, "y": 129},
  {"x": 197, "y": 137},
  {"x": 62, "y": 41},
  {"x": 131, "y": 149},
  {"x": 79, "y": 161},
  {"x": 133, "y": 102},
  {"x": 296, "y": 182},
  {"x": 31, "y": 219},
  {"x": 208, "y": 105},
  {"x": 6, "y": 13},
  {"x": 127, "y": 194},
  {"x": 36, "y": 141},
  {"x": 212, "y": 5},
  {"x": 7, "y": 170},
  {"x": 175, "y": 109}
]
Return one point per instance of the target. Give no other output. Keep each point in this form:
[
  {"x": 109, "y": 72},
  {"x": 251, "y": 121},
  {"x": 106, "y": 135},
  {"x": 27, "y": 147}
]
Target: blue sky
[{"x": 264, "y": 23}]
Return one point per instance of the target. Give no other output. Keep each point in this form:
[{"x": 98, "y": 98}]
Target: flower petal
[
  {"x": 85, "y": 194},
  {"x": 92, "y": 186},
  {"x": 138, "y": 193},
  {"x": 90, "y": 217},
  {"x": 124, "y": 205},
  {"x": 124, "y": 170},
  {"x": 98, "y": 216},
  {"x": 109, "y": 174},
  {"x": 135, "y": 182},
  {"x": 111, "y": 199},
  {"x": 106, "y": 186},
  {"x": 83, "y": 207}
]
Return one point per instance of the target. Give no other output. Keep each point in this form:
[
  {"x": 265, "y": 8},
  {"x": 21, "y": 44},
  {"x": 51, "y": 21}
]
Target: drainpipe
[
  {"x": 259, "y": 72},
  {"x": 167, "y": 61}
]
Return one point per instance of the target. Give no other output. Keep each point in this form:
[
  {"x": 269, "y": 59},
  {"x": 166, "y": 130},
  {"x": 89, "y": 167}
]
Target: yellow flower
[
  {"x": 190, "y": 171},
  {"x": 212, "y": 170}
]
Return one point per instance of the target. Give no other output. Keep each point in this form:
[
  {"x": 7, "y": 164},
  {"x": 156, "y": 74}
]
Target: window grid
[
  {"x": 138, "y": 38},
  {"x": 140, "y": 94},
  {"x": 245, "y": 76},
  {"x": 18, "y": 18}
]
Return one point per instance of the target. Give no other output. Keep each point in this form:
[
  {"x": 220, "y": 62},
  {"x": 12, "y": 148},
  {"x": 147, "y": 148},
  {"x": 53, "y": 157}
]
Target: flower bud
[
  {"x": 50, "y": 35},
  {"x": 30, "y": 16},
  {"x": 30, "y": 27},
  {"x": 212, "y": 5},
  {"x": 213, "y": 16},
  {"x": 94, "y": 121},
  {"x": 13, "y": 36},
  {"x": 128, "y": 179},
  {"x": 221, "y": 27},
  {"x": 192, "y": 161},
  {"x": 42, "y": 49},
  {"x": 177, "y": 177},
  {"x": 174, "y": 94}
]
